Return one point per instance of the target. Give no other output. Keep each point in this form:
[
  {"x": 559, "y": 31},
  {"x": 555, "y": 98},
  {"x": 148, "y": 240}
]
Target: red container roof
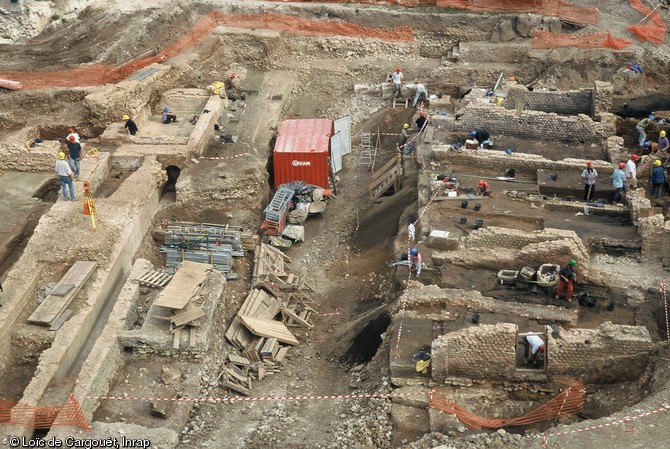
[{"x": 304, "y": 136}]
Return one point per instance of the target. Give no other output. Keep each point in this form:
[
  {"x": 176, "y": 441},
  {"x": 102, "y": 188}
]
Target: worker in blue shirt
[{"x": 618, "y": 178}]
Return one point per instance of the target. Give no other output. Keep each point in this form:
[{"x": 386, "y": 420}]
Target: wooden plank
[
  {"x": 176, "y": 338},
  {"x": 181, "y": 318},
  {"x": 53, "y": 306},
  {"x": 269, "y": 329},
  {"x": 237, "y": 387},
  {"x": 184, "y": 285},
  {"x": 238, "y": 360},
  {"x": 281, "y": 354},
  {"x": 60, "y": 320},
  {"x": 192, "y": 335},
  {"x": 288, "y": 312}
]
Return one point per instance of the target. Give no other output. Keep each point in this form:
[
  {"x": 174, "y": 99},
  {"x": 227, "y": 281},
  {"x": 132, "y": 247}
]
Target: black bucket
[
  {"x": 464, "y": 204},
  {"x": 477, "y": 207},
  {"x": 478, "y": 224},
  {"x": 475, "y": 318},
  {"x": 463, "y": 220},
  {"x": 611, "y": 305}
]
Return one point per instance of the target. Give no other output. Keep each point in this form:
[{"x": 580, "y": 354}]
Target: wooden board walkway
[
  {"x": 184, "y": 285},
  {"x": 53, "y": 305}
]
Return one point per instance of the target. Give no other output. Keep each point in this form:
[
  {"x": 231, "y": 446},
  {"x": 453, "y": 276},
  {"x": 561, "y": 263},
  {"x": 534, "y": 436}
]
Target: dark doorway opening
[{"x": 367, "y": 342}]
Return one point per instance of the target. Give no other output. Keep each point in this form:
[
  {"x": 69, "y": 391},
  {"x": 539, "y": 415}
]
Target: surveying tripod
[{"x": 89, "y": 205}]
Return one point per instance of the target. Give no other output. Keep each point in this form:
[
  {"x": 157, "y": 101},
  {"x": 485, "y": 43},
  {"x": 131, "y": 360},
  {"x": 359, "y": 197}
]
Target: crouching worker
[
  {"x": 483, "y": 188},
  {"x": 533, "y": 349},
  {"x": 567, "y": 280},
  {"x": 415, "y": 261},
  {"x": 168, "y": 116}
]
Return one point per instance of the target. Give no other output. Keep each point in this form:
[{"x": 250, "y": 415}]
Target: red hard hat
[
  {"x": 622, "y": 164},
  {"x": 635, "y": 157},
  {"x": 398, "y": 70},
  {"x": 422, "y": 114},
  {"x": 589, "y": 163},
  {"x": 71, "y": 138},
  {"x": 481, "y": 183},
  {"x": 541, "y": 348}
]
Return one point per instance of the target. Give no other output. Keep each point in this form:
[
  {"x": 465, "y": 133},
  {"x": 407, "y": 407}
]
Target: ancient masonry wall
[
  {"x": 525, "y": 164},
  {"x": 532, "y": 124},
  {"x": 482, "y": 352},
  {"x": 488, "y": 352},
  {"x": 578, "y": 348},
  {"x": 571, "y": 102},
  {"x": 494, "y": 237}
]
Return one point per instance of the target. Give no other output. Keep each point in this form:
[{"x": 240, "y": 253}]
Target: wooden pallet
[
  {"x": 184, "y": 285},
  {"x": 154, "y": 278},
  {"x": 53, "y": 305}
]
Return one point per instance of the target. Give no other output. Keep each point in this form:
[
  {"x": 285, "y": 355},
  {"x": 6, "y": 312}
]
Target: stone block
[
  {"x": 439, "y": 421},
  {"x": 525, "y": 24},
  {"x": 409, "y": 423},
  {"x": 441, "y": 240}
]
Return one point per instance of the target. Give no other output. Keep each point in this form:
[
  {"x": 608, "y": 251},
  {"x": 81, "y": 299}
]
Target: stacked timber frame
[{"x": 278, "y": 300}]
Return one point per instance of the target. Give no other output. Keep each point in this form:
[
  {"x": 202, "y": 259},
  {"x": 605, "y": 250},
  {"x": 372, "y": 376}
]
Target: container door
[
  {"x": 336, "y": 152},
  {"x": 343, "y": 126}
]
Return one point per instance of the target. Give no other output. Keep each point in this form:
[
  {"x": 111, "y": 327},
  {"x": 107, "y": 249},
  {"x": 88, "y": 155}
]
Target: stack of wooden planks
[
  {"x": 182, "y": 296},
  {"x": 62, "y": 295}
]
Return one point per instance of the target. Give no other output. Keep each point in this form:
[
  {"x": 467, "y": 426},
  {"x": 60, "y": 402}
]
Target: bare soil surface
[{"x": 347, "y": 250}]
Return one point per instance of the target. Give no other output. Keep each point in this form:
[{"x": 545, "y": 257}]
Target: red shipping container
[{"x": 302, "y": 152}]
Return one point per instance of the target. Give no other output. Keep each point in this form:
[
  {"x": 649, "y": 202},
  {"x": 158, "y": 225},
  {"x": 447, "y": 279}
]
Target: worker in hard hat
[
  {"x": 567, "y": 278},
  {"x": 631, "y": 171},
  {"x": 396, "y": 77},
  {"x": 404, "y": 135},
  {"x": 482, "y": 137},
  {"x": 217, "y": 88},
  {"x": 589, "y": 174},
  {"x": 657, "y": 178},
  {"x": 483, "y": 188},
  {"x": 642, "y": 126},
  {"x": 130, "y": 125},
  {"x": 533, "y": 349},
  {"x": 415, "y": 261},
  {"x": 618, "y": 179},
  {"x": 662, "y": 145},
  {"x": 72, "y": 133},
  {"x": 65, "y": 174},
  {"x": 421, "y": 121},
  {"x": 74, "y": 151},
  {"x": 419, "y": 91}
]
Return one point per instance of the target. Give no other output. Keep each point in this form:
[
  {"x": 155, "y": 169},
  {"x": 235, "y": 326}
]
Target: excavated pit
[{"x": 349, "y": 248}]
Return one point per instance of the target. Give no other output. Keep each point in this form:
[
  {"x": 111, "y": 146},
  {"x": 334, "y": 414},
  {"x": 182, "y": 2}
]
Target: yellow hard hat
[
  {"x": 61, "y": 155},
  {"x": 662, "y": 133},
  {"x": 657, "y": 162},
  {"x": 125, "y": 117},
  {"x": 405, "y": 126}
]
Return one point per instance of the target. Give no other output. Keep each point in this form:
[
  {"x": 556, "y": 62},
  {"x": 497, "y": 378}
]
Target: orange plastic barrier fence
[
  {"x": 39, "y": 417},
  {"x": 654, "y": 30},
  {"x": 569, "y": 402},
  {"x": 545, "y": 39},
  {"x": 98, "y": 74}
]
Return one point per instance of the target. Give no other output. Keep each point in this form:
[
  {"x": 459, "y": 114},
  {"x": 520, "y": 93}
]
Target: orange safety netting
[
  {"x": 98, "y": 74},
  {"x": 40, "y": 417},
  {"x": 569, "y": 402},
  {"x": 545, "y": 39},
  {"x": 654, "y": 30},
  {"x": 558, "y": 8}
]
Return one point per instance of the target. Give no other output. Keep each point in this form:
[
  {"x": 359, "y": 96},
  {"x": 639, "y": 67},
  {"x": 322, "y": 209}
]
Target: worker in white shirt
[
  {"x": 631, "y": 172},
  {"x": 65, "y": 174},
  {"x": 533, "y": 347},
  {"x": 420, "y": 90},
  {"x": 397, "y": 82}
]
